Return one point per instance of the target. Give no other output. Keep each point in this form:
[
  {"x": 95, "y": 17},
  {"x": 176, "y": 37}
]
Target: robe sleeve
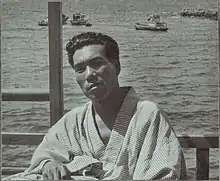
[
  {"x": 161, "y": 156},
  {"x": 62, "y": 144}
]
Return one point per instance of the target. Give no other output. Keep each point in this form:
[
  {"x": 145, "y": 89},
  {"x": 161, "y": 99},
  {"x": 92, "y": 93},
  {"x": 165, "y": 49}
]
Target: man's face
[{"x": 95, "y": 74}]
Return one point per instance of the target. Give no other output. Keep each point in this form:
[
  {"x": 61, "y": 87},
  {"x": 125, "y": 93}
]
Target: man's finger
[
  {"x": 56, "y": 174},
  {"x": 64, "y": 174},
  {"x": 45, "y": 176},
  {"x": 50, "y": 175}
]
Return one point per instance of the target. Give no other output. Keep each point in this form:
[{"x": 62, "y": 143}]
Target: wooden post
[
  {"x": 55, "y": 61},
  {"x": 219, "y": 30},
  {"x": 202, "y": 163},
  {"x": 218, "y": 55},
  {"x": 0, "y": 107}
]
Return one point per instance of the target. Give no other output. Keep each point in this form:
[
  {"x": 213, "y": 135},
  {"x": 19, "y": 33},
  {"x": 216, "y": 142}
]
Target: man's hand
[{"x": 54, "y": 170}]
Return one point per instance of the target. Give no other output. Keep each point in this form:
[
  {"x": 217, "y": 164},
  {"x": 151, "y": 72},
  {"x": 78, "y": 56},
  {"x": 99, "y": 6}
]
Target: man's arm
[
  {"x": 54, "y": 147},
  {"x": 161, "y": 156},
  {"x": 62, "y": 144}
]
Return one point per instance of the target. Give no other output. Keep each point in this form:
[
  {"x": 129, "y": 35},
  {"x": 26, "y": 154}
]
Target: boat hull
[
  {"x": 42, "y": 24},
  {"x": 88, "y": 24},
  {"x": 45, "y": 22},
  {"x": 139, "y": 26},
  {"x": 78, "y": 22}
]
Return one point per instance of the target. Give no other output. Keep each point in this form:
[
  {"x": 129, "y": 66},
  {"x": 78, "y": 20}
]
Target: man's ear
[{"x": 117, "y": 67}]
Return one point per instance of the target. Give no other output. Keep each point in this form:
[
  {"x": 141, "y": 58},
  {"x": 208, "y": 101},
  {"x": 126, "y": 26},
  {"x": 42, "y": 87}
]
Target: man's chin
[
  {"x": 98, "y": 95},
  {"x": 98, "y": 98}
]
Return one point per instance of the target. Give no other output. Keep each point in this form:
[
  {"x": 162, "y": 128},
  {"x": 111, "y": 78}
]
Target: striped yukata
[{"x": 142, "y": 145}]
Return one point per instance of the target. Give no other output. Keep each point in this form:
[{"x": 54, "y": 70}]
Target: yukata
[{"x": 142, "y": 145}]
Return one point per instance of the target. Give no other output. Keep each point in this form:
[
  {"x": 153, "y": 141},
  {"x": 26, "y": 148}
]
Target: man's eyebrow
[
  {"x": 79, "y": 64},
  {"x": 98, "y": 58},
  {"x": 88, "y": 61}
]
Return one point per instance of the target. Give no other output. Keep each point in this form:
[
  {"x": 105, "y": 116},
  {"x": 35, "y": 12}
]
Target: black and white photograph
[{"x": 110, "y": 89}]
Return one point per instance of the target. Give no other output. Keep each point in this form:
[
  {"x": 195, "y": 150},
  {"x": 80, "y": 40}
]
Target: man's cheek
[
  {"x": 80, "y": 81},
  {"x": 107, "y": 74}
]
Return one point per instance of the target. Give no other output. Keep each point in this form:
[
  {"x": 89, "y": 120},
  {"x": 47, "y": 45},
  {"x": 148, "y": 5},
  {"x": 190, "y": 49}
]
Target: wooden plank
[
  {"x": 25, "y": 95},
  {"x": 202, "y": 164},
  {"x": 55, "y": 61},
  {"x": 199, "y": 141},
  {"x": 12, "y": 170},
  {"x": 21, "y": 138},
  {"x": 35, "y": 139},
  {"x": 0, "y": 107}
]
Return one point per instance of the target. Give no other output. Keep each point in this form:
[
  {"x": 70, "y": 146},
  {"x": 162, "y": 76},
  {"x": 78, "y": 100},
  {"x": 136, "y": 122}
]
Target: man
[
  {"x": 153, "y": 18},
  {"x": 113, "y": 136}
]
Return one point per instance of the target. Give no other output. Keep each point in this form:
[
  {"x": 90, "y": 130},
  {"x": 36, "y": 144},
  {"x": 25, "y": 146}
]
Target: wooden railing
[
  {"x": 55, "y": 96},
  {"x": 201, "y": 143},
  {"x": 55, "y": 93}
]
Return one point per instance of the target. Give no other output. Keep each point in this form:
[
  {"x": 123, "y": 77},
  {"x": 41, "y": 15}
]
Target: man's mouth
[{"x": 91, "y": 86}]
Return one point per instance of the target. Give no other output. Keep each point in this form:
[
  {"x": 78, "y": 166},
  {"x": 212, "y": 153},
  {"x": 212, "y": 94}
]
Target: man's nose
[{"x": 90, "y": 73}]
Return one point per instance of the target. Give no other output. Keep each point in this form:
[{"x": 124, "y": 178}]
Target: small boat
[
  {"x": 153, "y": 23},
  {"x": 88, "y": 24},
  {"x": 80, "y": 19},
  {"x": 151, "y": 26},
  {"x": 45, "y": 21}
]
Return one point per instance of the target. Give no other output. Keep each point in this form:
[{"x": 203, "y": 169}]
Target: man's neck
[{"x": 108, "y": 109}]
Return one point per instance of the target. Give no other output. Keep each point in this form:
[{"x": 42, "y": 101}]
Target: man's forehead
[{"x": 87, "y": 53}]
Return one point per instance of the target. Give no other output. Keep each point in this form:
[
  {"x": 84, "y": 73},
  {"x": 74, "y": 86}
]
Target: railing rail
[
  {"x": 25, "y": 95},
  {"x": 199, "y": 142}
]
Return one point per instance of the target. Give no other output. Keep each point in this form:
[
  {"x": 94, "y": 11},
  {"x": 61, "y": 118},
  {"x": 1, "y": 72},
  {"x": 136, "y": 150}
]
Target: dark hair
[{"x": 94, "y": 38}]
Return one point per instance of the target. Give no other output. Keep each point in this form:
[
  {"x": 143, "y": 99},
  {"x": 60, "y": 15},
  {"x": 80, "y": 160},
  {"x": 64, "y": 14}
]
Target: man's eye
[
  {"x": 80, "y": 69},
  {"x": 97, "y": 64}
]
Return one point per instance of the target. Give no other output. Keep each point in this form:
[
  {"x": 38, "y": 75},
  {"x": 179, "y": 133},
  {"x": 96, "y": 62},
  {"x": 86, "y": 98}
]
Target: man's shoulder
[
  {"x": 148, "y": 106},
  {"x": 78, "y": 111},
  {"x": 74, "y": 116},
  {"x": 71, "y": 119},
  {"x": 147, "y": 111}
]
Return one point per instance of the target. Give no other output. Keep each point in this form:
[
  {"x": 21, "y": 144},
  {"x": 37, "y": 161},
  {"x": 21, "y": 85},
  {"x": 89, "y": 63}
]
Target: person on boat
[
  {"x": 115, "y": 135},
  {"x": 64, "y": 17},
  {"x": 154, "y": 18}
]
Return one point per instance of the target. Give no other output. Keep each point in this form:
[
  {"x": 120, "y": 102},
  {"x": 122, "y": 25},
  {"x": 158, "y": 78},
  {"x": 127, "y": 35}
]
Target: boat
[
  {"x": 44, "y": 22},
  {"x": 153, "y": 23},
  {"x": 151, "y": 26},
  {"x": 80, "y": 19},
  {"x": 201, "y": 13}
]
